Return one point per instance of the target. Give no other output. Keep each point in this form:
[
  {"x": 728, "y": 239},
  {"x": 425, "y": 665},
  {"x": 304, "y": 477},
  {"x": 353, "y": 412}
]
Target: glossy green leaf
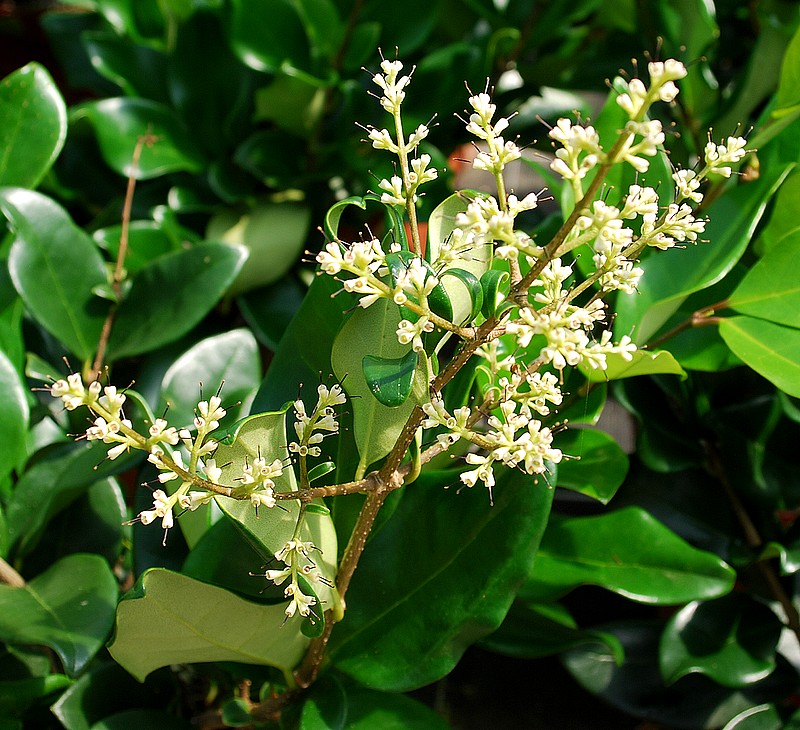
[
  {"x": 14, "y": 416},
  {"x": 492, "y": 282},
  {"x": 181, "y": 607},
  {"x": 69, "y": 607},
  {"x": 371, "y": 332},
  {"x": 390, "y": 379},
  {"x": 788, "y": 94},
  {"x": 627, "y": 552},
  {"x": 771, "y": 289},
  {"x": 191, "y": 280},
  {"x": 599, "y": 465},
  {"x": 33, "y": 126},
  {"x": 331, "y": 705},
  {"x": 732, "y": 640},
  {"x": 770, "y": 349},
  {"x": 16, "y": 696},
  {"x": 55, "y": 266},
  {"x": 147, "y": 240},
  {"x": 538, "y": 630},
  {"x": 642, "y": 362},
  {"x": 266, "y": 46},
  {"x": 120, "y": 123},
  {"x": 336, "y": 211},
  {"x": 784, "y": 220},
  {"x": 415, "y": 605},
  {"x": 274, "y": 235},
  {"x": 229, "y": 361},
  {"x": 732, "y": 219}
]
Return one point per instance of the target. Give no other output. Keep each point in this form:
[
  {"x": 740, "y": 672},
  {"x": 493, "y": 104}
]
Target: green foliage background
[{"x": 665, "y": 578}]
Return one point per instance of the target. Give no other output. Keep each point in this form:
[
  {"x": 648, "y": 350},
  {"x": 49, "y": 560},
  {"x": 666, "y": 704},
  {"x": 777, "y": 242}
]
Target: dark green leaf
[
  {"x": 335, "y": 212},
  {"x": 236, "y": 713},
  {"x": 69, "y": 608},
  {"x": 390, "y": 379},
  {"x": 537, "y": 630},
  {"x": 627, "y": 552},
  {"x": 171, "y": 295},
  {"x": 55, "y": 266},
  {"x": 438, "y": 299},
  {"x": 229, "y": 361},
  {"x": 268, "y": 311},
  {"x": 760, "y": 717},
  {"x": 179, "y": 606},
  {"x": 14, "y": 416},
  {"x": 138, "y": 719},
  {"x": 770, "y": 349},
  {"x": 17, "y": 695},
  {"x": 414, "y": 606},
  {"x": 731, "y": 640},
  {"x": 146, "y": 241},
  {"x": 33, "y": 126},
  {"x": 788, "y": 95},
  {"x": 356, "y": 708},
  {"x": 120, "y": 123},
  {"x": 600, "y": 465},
  {"x": 266, "y": 46},
  {"x": 319, "y": 471}
]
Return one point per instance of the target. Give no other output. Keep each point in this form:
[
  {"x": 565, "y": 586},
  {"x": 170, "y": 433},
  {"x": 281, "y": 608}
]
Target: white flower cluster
[
  {"x": 515, "y": 440},
  {"x": 312, "y": 428},
  {"x": 295, "y": 555},
  {"x": 498, "y": 151},
  {"x": 580, "y": 151}
]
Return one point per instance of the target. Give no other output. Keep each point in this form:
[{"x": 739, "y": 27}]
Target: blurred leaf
[
  {"x": 784, "y": 220},
  {"x": 733, "y": 218},
  {"x": 732, "y": 640},
  {"x": 147, "y": 240},
  {"x": 119, "y": 124},
  {"x": 760, "y": 717},
  {"x": 329, "y": 705},
  {"x": 171, "y": 295},
  {"x": 415, "y": 605},
  {"x": 599, "y": 465},
  {"x": 788, "y": 94},
  {"x": 771, "y": 289},
  {"x": 269, "y": 310},
  {"x": 770, "y": 349},
  {"x": 16, "y": 696},
  {"x": 69, "y": 608},
  {"x": 138, "y": 719},
  {"x": 642, "y": 362},
  {"x": 13, "y": 418},
  {"x": 55, "y": 266},
  {"x": 627, "y": 552},
  {"x": 179, "y": 606},
  {"x": 274, "y": 235},
  {"x": 372, "y": 332},
  {"x": 266, "y": 46},
  {"x": 538, "y": 630},
  {"x": 230, "y": 359},
  {"x": 33, "y": 126}
]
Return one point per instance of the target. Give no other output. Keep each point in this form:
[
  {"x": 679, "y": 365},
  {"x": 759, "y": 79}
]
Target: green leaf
[
  {"x": 335, "y": 212},
  {"x": 120, "y": 123},
  {"x": 273, "y": 233},
  {"x": 266, "y": 46},
  {"x": 473, "y": 289},
  {"x": 671, "y": 276},
  {"x": 229, "y": 360},
  {"x": 732, "y": 640},
  {"x": 788, "y": 94},
  {"x": 492, "y": 282},
  {"x": 331, "y": 705},
  {"x": 16, "y": 696},
  {"x": 538, "y": 630},
  {"x": 268, "y": 311},
  {"x": 439, "y": 301},
  {"x": 760, "y": 717},
  {"x": 415, "y": 605},
  {"x": 138, "y": 719},
  {"x": 171, "y": 295},
  {"x": 147, "y": 240},
  {"x": 641, "y": 362},
  {"x": 55, "y": 266},
  {"x": 771, "y": 289},
  {"x": 627, "y": 552},
  {"x": 784, "y": 220},
  {"x": 390, "y": 379},
  {"x": 33, "y": 126},
  {"x": 14, "y": 416},
  {"x": 770, "y": 349},
  {"x": 600, "y": 465},
  {"x": 180, "y": 608},
  {"x": 69, "y": 608},
  {"x": 371, "y": 332}
]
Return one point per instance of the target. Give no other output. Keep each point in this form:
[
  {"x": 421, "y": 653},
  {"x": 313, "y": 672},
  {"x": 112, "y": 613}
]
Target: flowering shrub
[{"x": 312, "y": 543}]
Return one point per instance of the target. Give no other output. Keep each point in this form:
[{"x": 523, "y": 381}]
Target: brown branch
[{"x": 9, "y": 576}]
